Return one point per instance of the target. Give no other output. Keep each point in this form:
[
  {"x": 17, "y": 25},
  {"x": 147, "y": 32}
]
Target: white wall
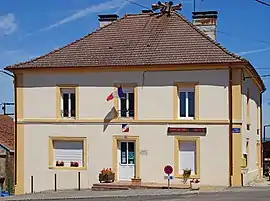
[
  {"x": 155, "y": 97},
  {"x": 251, "y": 134},
  {"x": 153, "y": 138}
]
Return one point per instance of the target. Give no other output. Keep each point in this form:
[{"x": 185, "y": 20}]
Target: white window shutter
[
  {"x": 68, "y": 151},
  {"x": 187, "y": 156}
]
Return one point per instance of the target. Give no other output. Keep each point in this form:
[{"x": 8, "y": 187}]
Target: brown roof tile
[
  {"x": 7, "y": 131},
  {"x": 141, "y": 39}
]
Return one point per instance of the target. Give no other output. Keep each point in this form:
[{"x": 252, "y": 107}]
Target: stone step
[
  {"x": 121, "y": 186},
  {"x": 108, "y": 187}
]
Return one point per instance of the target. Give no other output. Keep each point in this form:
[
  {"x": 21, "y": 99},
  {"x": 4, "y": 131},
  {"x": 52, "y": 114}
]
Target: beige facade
[
  {"x": 155, "y": 109},
  {"x": 251, "y": 130}
]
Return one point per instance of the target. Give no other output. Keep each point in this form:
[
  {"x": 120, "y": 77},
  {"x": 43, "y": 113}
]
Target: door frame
[{"x": 116, "y": 139}]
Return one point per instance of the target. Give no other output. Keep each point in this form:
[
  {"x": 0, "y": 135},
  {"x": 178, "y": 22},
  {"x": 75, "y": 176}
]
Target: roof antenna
[{"x": 166, "y": 8}]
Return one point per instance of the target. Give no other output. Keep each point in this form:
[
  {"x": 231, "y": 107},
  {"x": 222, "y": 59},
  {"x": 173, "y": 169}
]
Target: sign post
[{"x": 168, "y": 170}]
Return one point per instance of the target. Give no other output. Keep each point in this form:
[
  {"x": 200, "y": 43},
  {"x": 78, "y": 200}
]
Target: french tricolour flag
[
  {"x": 116, "y": 94},
  {"x": 125, "y": 128}
]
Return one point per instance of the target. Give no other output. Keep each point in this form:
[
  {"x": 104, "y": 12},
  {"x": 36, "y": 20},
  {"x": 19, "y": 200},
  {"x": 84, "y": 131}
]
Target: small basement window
[{"x": 68, "y": 152}]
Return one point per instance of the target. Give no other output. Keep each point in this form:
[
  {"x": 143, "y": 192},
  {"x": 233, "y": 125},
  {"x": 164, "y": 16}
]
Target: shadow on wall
[{"x": 107, "y": 119}]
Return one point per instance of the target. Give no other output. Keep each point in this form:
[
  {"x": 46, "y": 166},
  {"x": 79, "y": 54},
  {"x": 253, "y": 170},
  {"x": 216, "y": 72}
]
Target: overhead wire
[{"x": 263, "y": 2}]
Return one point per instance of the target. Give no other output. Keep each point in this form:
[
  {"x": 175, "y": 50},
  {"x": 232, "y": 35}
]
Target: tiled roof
[
  {"x": 7, "y": 131},
  {"x": 141, "y": 39}
]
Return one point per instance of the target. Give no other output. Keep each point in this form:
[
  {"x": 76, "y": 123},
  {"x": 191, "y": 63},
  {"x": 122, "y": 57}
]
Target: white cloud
[
  {"x": 253, "y": 51},
  {"x": 84, "y": 12},
  {"x": 7, "y": 24}
]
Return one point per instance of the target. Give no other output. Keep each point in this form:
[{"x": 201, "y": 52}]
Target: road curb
[{"x": 102, "y": 196}]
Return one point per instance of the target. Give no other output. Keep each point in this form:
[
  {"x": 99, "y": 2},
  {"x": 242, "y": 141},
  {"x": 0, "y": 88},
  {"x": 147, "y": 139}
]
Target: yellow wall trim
[
  {"x": 116, "y": 139},
  {"x": 63, "y": 138},
  {"x": 117, "y": 121},
  {"x": 19, "y": 187},
  {"x": 236, "y": 137},
  {"x": 237, "y": 95},
  {"x": 177, "y": 139}
]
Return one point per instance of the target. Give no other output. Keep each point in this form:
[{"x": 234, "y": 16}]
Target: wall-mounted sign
[
  {"x": 236, "y": 130},
  {"x": 186, "y": 130},
  {"x": 144, "y": 152}
]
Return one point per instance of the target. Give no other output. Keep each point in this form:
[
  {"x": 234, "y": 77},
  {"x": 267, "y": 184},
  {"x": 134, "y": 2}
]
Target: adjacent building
[
  {"x": 186, "y": 101},
  {"x": 7, "y": 151}
]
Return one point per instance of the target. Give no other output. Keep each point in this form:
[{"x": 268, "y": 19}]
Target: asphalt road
[{"x": 246, "y": 195}]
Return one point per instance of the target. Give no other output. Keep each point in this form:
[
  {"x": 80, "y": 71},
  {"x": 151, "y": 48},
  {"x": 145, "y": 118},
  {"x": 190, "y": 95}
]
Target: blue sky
[{"x": 31, "y": 28}]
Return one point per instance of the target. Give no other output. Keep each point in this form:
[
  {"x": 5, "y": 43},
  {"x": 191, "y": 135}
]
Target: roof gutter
[{"x": 255, "y": 75}]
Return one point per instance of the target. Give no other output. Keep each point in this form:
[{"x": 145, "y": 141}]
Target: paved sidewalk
[{"x": 84, "y": 194}]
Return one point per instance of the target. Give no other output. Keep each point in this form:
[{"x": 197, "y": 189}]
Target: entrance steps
[{"x": 129, "y": 185}]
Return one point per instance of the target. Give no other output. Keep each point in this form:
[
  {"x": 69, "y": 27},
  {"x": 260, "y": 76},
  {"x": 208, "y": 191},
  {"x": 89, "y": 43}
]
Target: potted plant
[
  {"x": 59, "y": 163},
  {"x": 74, "y": 164},
  {"x": 186, "y": 175},
  {"x": 106, "y": 175},
  {"x": 195, "y": 184}
]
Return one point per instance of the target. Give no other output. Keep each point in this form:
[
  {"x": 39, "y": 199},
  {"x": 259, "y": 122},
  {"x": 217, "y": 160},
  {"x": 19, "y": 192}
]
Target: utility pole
[{"x": 4, "y": 105}]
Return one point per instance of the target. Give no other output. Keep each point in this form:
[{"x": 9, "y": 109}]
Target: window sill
[
  {"x": 125, "y": 118},
  {"x": 180, "y": 176},
  {"x": 68, "y": 168},
  {"x": 67, "y": 119},
  {"x": 186, "y": 118}
]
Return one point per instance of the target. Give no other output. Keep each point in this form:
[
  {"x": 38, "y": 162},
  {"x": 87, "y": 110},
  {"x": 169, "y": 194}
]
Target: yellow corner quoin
[
  {"x": 236, "y": 137},
  {"x": 116, "y": 139},
  {"x": 178, "y": 139},
  {"x": 19, "y": 186},
  {"x": 58, "y": 99},
  {"x": 179, "y": 85},
  {"x": 117, "y": 121},
  {"x": 62, "y": 138}
]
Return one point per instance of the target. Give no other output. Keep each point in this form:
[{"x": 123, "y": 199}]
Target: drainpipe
[
  {"x": 230, "y": 128},
  {"x": 15, "y": 127},
  {"x": 261, "y": 136}
]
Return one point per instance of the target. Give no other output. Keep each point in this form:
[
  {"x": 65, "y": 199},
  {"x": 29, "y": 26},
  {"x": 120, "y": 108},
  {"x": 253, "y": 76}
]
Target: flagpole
[{"x": 194, "y": 5}]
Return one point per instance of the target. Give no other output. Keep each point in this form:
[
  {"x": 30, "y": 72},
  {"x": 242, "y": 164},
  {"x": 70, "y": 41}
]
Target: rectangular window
[
  {"x": 68, "y": 102},
  {"x": 187, "y": 156},
  {"x": 186, "y": 103},
  {"x": 127, "y": 104},
  {"x": 68, "y": 153}
]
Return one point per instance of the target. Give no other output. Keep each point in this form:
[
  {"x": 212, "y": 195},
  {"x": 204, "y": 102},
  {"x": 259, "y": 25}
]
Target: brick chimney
[
  {"x": 107, "y": 19},
  {"x": 206, "y": 22}
]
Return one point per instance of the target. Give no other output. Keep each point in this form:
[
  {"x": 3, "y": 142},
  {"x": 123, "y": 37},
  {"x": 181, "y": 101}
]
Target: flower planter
[
  {"x": 194, "y": 186},
  {"x": 186, "y": 175},
  {"x": 136, "y": 182},
  {"x": 74, "y": 164},
  {"x": 106, "y": 178},
  {"x": 59, "y": 163}
]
